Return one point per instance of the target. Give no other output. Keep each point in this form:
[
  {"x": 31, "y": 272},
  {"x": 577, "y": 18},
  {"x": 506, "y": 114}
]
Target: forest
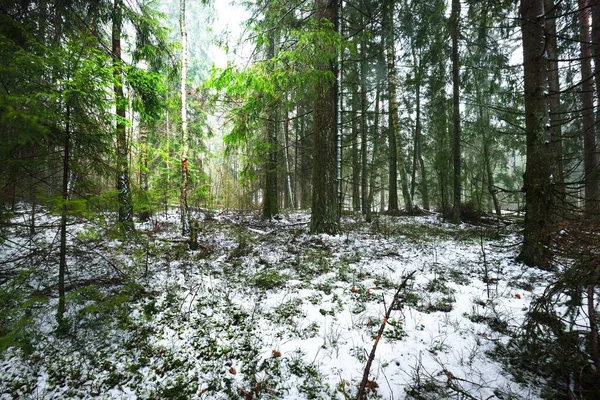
[{"x": 299, "y": 199}]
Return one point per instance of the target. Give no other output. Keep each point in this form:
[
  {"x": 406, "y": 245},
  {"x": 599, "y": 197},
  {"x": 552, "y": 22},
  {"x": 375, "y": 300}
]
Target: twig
[{"x": 388, "y": 312}]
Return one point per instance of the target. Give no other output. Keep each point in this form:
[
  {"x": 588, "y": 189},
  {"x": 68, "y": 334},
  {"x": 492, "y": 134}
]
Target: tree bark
[
  {"x": 325, "y": 213},
  {"x": 270, "y": 201},
  {"x": 590, "y": 164},
  {"x": 356, "y": 166},
  {"x": 183, "y": 195},
  {"x": 363, "y": 128},
  {"x": 373, "y": 169},
  {"x": 554, "y": 105},
  {"x": 456, "y": 142},
  {"x": 595, "y": 9},
  {"x": 124, "y": 197},
  {"x": 537, "y": 183},
  {"x": 396, "y": 158},
  {"x": 291, "y": 195},
  {"x": 62, "y": 258}
]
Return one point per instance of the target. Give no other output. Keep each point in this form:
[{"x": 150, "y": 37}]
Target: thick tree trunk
[
  {"x": 123, "y": 187},
  {"x": 183, "y": 195},
  {"x": 590, "y": 164},
  {"x": 325, "y": 213},
  {"x": 391, "y": 69},
  {"x": 538, "y": 187},
  {"x": 456, "y": 142},
  {"x": 595, "y": 9}
]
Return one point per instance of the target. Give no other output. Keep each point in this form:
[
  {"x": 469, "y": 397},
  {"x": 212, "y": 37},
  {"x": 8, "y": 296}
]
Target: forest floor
[{"x": 263, "y": 309}]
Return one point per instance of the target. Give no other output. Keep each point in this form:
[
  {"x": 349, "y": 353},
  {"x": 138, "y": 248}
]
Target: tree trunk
[
  {"x": 305, "y": 161},
  {"x": 62, "y": 258},
  {"x": 391, "y": 69},
  {"x": 373, "y": 172},
  {"x": 396, "y": 155},
  {"x": 556, "y": 119},
  {"x": 590, "y": 164},
  {"x": 270, "y": 201},
  {"x": 124, "y": 198},
  {"x": 363, "y": 128},
  {"x": 183, "y": 196},
  {"x": 325, "y": 213},
  {"x": 595, "y": 9},
  {"x": 418, "y": 145},
  {"x": 356, "y": 166},
  {"x": 291, "y": 196},
  {"x": 456, "y": 148},
  {"x": 537, "y": 183}
]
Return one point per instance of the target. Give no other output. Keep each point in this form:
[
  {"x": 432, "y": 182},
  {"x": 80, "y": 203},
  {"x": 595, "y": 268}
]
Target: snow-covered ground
[{"x": 265, "y": 310}]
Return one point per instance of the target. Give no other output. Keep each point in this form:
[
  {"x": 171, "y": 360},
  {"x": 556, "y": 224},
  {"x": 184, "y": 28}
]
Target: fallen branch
[{"x": 388, "y": 312}]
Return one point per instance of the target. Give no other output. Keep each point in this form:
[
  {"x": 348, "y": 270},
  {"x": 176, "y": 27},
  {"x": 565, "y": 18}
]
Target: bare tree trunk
[
  {"x": 325, "y": 212},
  {"x": 418, "y": 145},
  {"x": 556, "y": 120},
  {"x": 363, "y": 129},
  {"x": 291, "y": 195},
  {"x": 305, "y": 161},
  {"x": 396, "y": 156},
  {"x": 183, "y": 198},
  {"x": 595, "y": 8},
  {"x": 590, "y": 164},
  {"x": 356, "y": 166},
  {"x": 373, "y": 169},
  {"x": 62, "y": 259},
  {"x": 270, "y": 200},
  {"x": 123, "y": 187},
  {"x": 536, "y": 249},
  {"x": 456, "y": 143}
]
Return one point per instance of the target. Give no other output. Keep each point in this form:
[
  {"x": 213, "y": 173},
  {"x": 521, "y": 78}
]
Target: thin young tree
[
  {"x": 126, "y": 224},
  {"x": 183, "y": 198}
]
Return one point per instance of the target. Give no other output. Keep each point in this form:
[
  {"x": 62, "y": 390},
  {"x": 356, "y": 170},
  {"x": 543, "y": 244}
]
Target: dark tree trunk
[
  {"x": 363, "y": 128},
  {"x": 123, "y": 187},
  {"x": 306, "y": 168},
  {"x": 373, "y": 172},
  {"x": 270, "y": 201},
  {"x": 325, "y": 213},
  {"x": 419, "y": 141},
  {"x": 356, "y": 166},
  {"x": 391, "y": 68},
  {"x": 62, "y": 259},
  {"x": 396, "y": 155},
  {"x": 590, "y": 164},
  {"x": 456, "y": 142},
  {"x": 555, "y": 113},
  {"x": 537, "y": 182},
  {"x": 595, "y": 8}
]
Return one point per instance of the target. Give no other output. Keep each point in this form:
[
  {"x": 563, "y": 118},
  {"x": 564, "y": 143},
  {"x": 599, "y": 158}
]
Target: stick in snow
[{"x": 388, "y": 312}]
